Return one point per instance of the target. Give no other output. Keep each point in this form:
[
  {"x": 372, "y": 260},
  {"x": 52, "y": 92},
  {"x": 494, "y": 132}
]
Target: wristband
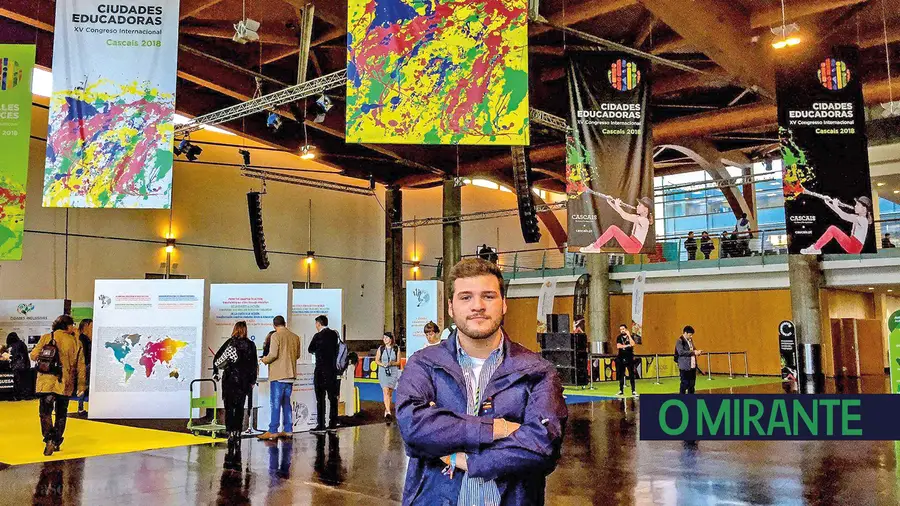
[{"x": 453, "y": 461}]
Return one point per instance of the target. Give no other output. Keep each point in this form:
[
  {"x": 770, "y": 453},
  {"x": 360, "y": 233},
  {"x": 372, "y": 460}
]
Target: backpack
[
  {"x": 48, "y": 361},
  {"x": 343, "y": 356}
]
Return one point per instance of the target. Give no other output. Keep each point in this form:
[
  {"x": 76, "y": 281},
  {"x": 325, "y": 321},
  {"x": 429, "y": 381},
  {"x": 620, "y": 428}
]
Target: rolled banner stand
[{"x": 812, "y": 379}]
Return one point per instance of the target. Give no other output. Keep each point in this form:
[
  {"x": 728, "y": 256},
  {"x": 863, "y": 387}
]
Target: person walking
[
  {"x": 686, "y": 355},
  {"x": 690, "y": 245},
  {"x": 19, "y": 364},
  {"x": 284, "y": 350},
  {"x": 479, "y": 405},
  {"x": 237, "y": 356},
  {"x": 85, "y": 334},
  {"x": 61, "y": 367},
  {"x": 324, "y": 346},
  {"x": 625, "y": 359},
  {"x": 388, "y": 359}
]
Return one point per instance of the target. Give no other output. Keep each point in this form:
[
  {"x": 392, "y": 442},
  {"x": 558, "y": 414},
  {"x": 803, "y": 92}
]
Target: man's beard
[{"x": 472, "y": 332}]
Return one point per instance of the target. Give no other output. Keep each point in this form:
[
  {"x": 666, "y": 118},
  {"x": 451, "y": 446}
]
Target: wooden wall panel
[
  {"x": 870, "y": 346},
  {"x": 521, "y": 319}
]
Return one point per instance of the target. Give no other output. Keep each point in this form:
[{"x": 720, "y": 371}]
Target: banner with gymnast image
[
  {"x": 822, "y": 130},
  {"x": 609, "y": 162}
]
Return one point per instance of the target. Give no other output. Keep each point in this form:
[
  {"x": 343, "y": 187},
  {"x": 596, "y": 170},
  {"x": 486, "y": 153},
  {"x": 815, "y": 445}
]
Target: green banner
[
  {"x": 894, "y": 350},
  {"x": 16, "y": 66}
]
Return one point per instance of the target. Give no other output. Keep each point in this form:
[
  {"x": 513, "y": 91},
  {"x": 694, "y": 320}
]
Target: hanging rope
[{"x": 887, "y": 57}]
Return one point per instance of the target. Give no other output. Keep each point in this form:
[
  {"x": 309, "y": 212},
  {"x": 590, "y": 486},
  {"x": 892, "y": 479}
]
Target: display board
[
  {"x": 894, "y": 350},
  {"x": 111, "y": 130},
  {"x": 438, "y": 72},
  {"x": 787, "y": 344},
  {"x": 306, "y": 305},
  {"x": 148, "y": 338},
  {"x": 822, "y": 130},
  {"x": 29, "y": 318},
  {"x": 637, "y": 307},
  {"x": 16, "y": 67},
  {"x": 255, "y": 304},
  {"x": 424, "y": 303},
  {"x": 609, "y": 162}
]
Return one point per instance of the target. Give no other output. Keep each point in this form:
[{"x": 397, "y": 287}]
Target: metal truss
[
  {"x": 305, "y": 181},
  {"x": 266, "y": 102},
  {"x": 548, "y": 120},
  {"x": 484, "y": 215}
]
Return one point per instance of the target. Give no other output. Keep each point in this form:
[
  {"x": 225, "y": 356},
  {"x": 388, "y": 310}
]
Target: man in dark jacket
[
  {"x": 19, "y": 364},
  {"x": 690, "y": 245},
  {"x": 324, "y": 346},
  {"x": 482, "y": 417},
  {"x": 85, "y": 334},
  {"x": 686, "y": 356}
]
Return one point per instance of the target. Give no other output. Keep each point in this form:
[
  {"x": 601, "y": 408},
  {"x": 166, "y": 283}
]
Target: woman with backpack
[
  {"x": 238, "y": 357},
  {"x": 60, "y": 366},
  {"x": 388, "y": 360}
]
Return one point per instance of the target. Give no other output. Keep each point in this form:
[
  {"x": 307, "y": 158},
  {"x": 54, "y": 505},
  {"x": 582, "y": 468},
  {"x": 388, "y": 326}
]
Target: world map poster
[
  {"x": 437, "y": 72},
  {"x": 153, "y": 359},
  {"x": 111, "y": 131}
]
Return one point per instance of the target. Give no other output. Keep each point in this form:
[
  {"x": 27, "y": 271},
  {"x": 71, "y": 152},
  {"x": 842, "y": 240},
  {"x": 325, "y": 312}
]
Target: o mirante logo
[
  {"x": 624, "y": 75},
  {"x": 833, "y": 74},
  {"x": 11, "y": 74}
]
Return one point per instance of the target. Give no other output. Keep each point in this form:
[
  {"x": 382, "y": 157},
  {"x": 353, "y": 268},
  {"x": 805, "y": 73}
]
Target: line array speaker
[
  {"x": 254, "y": 206},
  {"x": 531, "y": 232}
]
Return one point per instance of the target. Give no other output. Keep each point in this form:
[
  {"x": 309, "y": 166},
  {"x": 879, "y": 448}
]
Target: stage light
[
  {"x": 880, "y": 184},
  {"x": 321, "y": 107},
  {"x": 273, "y": 121},
  {"x": 192, "y": 152},
  {"x": 245, "y": 31},
  {"x": 245, "y": 155},
  {"x": 308, "y": 152},
  {"x": 310, "y": 256},
  {"x": 790, "y": 41},
  {"x": 170, "y": 245}
]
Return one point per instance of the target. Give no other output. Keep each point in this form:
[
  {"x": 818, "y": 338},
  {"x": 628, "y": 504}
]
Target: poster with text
[
  {"x": 609, "y": 163},
  {"x": 148, "y": 338},
  {"x": 110, "y": 135},
  {"x": 894, "y": 350},
  {"x": 424, "y": 304},
  {"x": 29, "y": 318},
  {"x": 306, "y": 305},
  {"x": 16, "y": 67},
  {"x": 438, "y": 72},
  {"x": 255, "y": 304},
  {"x": 637, "y": 307},
  {"x": 822, "y": 129}
]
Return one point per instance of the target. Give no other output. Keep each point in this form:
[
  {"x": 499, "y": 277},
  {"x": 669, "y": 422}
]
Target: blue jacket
[{"x": 525, "y": 389}]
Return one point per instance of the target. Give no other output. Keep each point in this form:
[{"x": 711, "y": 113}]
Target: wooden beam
[
  {"x": 680, "y": 82},
  {"x": 794, "y": 10},
  {"x": 225, "y": 30},
  {"x": 876, "y": 38},
  {"x": 574, "y": 14},
  {"x": 721, "y": 32},
  {"x": 332, "y": 12},
  {"x": 668, "y": 45},
  {"x": 645, "y": 30},
  {"x": 190, "y": 8},
  {"x": 36, "y": 14},
  {"x": 281, "y": 53}
]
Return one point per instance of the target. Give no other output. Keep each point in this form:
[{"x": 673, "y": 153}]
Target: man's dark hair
[
  {"x": 432, "y": 327},
  {"x": 689, "y": 329},
  {"x": 474, "y": 267},
  {"x": 62, "y": 322},
  {"x": 623, "y": 325},
  {"x": 743, "y": 215},
  {"x": 84, "y": 323},
  {"x": 278, "y": 321},
  {"x": 322, "y": 319}
]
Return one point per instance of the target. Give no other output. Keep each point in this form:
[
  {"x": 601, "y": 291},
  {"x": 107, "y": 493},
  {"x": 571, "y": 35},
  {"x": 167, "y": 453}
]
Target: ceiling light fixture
[
  {"x": 880, "y": 184},
  {"x": 786, "y": 41},
  {"x": 308, "y": 152}
]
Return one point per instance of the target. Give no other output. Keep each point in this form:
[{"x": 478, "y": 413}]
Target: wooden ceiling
[{"x": 729, "y": 39}]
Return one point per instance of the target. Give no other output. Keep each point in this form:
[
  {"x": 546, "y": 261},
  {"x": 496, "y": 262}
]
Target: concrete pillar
[
  {"x": 452, "y": 236},
  {"x": 394, "y": 300},
  {"x": 805, "y": 275},
  {"x": 598, "y": 298}
]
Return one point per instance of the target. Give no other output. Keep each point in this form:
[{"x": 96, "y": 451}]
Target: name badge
[{"x": 487, "y": 407}]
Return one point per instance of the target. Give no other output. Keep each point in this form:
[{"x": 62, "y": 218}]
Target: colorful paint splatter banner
[
  {"x": 437, "y": 72},
  {"x": 111, "y": 129},
  {"x": 16, "y": 66},
  {"x": 822, "y": 128}
]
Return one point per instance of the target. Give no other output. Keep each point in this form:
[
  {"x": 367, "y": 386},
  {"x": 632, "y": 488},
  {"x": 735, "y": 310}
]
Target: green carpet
[{"x": 670, "y": 385}]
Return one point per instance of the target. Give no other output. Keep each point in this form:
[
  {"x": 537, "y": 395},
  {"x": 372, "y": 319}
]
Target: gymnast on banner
[
  {"x": 642, "y": 219},
  {"x": 860, "y": 218}
]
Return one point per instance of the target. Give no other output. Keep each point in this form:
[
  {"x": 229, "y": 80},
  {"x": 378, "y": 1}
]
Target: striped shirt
[{"x": 476, "y": 491}]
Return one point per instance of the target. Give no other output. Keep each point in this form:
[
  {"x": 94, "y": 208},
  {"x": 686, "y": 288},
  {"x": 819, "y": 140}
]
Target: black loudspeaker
[
  {"x": 254, "y": 206},
  {"x": 531, "y": 232},
  {"x": 556, "y": 341},
  {"x": 558, "y": 323},
  {"x": 577, "y": 376},
  {"x": 568, "y": 353}
]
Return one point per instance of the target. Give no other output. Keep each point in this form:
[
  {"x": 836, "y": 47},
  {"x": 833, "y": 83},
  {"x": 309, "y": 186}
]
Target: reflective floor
[{"x": 603, "y": 463}]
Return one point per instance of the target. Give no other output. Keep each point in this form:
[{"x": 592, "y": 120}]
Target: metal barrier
[
  {"x": 593, "y": 356},
  {"x": 730, "y": 368}
]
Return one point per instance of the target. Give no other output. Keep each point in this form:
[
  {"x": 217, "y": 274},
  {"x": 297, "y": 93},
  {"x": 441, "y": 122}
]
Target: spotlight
[
  {"x": 322, "y": 106},
  {"x": 246, "y": 156},
  {"x": 193, "y": 152},
  {"x": 170, "y": 245},
  {"x": 881, "y": 183},
  {"x": 245, "y": 31},
  {"x": 310, "y": 255},
  {"x": 308, "y": 152},
  {"x": 790, "y": 41},
  {"x": 273, "y": 121}
]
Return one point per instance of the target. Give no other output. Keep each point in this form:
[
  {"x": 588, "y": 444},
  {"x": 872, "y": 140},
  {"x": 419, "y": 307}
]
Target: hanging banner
[
  {"x": 110, "y": 136},
  {"x": 637, "y": 307},
  {"x": 423, "y": 304},
  {"x": 29, "y": 318},
  {"x": 894, "y": 350},
  {"x": 306, "y": 304},
  {"x": 545, "y": 303},
  {"x": 787, "y": 343},
  {"x": 438, "y": 72},
  {"x": 16, "y": 67},
  {"x": 821, "y": 125},
  {"x": 609, "y": 169},
  {"x": 579, "y": 303},
  {"x": 148, "y": 338},
  {"x": 255, "y": 304}
]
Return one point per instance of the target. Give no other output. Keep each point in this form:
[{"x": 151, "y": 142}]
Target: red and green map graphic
[{"x": 163, "y": 355}]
